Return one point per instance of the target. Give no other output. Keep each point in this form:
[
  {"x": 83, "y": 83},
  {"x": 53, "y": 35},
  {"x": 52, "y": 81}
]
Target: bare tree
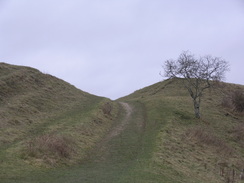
[{"x": 198, "y": 73}]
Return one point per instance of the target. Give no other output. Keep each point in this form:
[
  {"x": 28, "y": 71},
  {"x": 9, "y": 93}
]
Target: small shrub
[
  {"x": 107, "y": 108},
  {"x": 238, "y": 100},
  {"x": 234, "y": 101}
]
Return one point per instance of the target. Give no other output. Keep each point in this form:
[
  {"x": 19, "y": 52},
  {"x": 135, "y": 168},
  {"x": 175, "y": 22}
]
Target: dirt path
[
  {"x": 121, "y": 126},
  {"x": 119, "y": 157},
  {"x": 102, "y": 151}
]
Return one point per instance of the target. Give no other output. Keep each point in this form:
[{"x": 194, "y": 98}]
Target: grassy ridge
[
  {"x": 190, "y": 150},
  {"x": 46, "y": 122},
  {"x": 48, "y": 128}
]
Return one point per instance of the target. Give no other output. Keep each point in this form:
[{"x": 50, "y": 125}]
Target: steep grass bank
[
  {"x": 46, "y": 122},
  {"x": 52, "y": 132},
  {"x": 190, "y": 150}
]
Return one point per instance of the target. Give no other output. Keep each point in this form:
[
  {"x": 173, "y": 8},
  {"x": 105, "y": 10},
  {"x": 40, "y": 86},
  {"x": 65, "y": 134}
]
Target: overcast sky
[{"x": 113, "y": 47}]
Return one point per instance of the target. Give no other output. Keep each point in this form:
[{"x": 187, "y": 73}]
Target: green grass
[
  {"x": 187, "y": 149},
  {"x": 125, "y": 158},
  {"x": 46, "y": 122},
  {"x": 52, "y": 132}
]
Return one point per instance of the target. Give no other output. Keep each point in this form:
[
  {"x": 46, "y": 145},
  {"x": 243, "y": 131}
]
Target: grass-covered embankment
[
  {"x": 53, "y": 132},
  {"x": 191, "y": 150},
  {"x": 46, "y": 122}
]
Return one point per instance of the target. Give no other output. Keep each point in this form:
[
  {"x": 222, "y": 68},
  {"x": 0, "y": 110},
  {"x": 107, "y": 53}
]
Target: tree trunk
[{"x": 197, "y": 108}]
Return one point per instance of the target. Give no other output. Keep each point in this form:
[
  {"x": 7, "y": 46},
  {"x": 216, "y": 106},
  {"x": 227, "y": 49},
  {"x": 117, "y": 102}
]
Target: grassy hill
[
  {"x": 186, "y": 149},
  {"x": 52, "y": 132},
  {"x": 46, "y": 122}
]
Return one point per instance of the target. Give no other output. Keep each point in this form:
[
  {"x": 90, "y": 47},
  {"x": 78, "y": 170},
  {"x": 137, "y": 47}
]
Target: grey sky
[{"x": 113, "y": 47}]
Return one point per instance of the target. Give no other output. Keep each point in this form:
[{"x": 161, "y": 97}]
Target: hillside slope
[
  {"x": 52, "y": 132},
  {"x": 46, "y": 122},
  {"x": 186, "y": 149}
]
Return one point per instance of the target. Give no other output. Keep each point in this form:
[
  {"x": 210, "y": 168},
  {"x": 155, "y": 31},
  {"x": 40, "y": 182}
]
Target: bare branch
[{"x": 198, "y": 73}]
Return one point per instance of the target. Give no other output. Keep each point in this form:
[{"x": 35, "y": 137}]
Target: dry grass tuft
[
  {"x": 50, "y": 148},
  {"x": 227, "y": 103},
  {"x": 238, "y": 133},
  {"x": 206, "y": 137}
]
